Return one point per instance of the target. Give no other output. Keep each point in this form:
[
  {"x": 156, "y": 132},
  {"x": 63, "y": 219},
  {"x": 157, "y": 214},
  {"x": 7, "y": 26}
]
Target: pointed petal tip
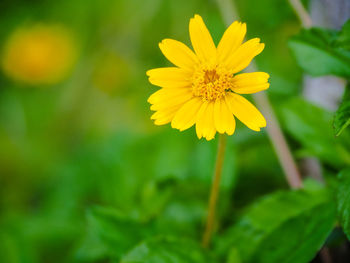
[
  {"x": 255, "y": 40},
  {"x": 261, "y": 47},
  {"x": 244, "y": 28},
  {"x": 259, "y": 127},
  {"x": 209, "y": 138},
  {"x": 159, "y": 123},
  {"x": 266, "y": 75},
  {"x": 230, "y": 133},
  {"x": 198, "y": 133},
  {"x": 254, "y": 128},
  {"x": 148, "y": 72},
  {"x": 162, "y": 43}
]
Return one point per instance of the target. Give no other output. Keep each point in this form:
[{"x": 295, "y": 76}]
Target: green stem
[{"x": 214, "y": 192}]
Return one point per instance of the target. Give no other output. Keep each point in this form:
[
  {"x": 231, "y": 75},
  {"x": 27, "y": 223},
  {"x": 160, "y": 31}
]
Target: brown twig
[
  {"x": 278, "y": 141},
  {"x": 274, "y": 131},
  {"x": 301, "y": 12},
  {"x": 306, "y": 22},
  {"x": 276, "y": 136}
]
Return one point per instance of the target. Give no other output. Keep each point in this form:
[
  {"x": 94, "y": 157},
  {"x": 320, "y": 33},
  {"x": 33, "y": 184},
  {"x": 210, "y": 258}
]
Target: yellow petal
[
  {"x": 165, "y": 95},
  {"x": 169, "y": 77},
  {"x": 231, "y": 40},
  {"x": 245, "y": 111},
  {"x": 187, "y": 114},
  {"x": 247, "y": 83},
  {"x": 200, "y": 119},
  {"x": 242, "y": 57},
  {"x": 164, "y": 119},
  {"x": 223, "y": 118},
  {"x": 165, "y": 116},
  {"x": 205, "y": 126},
  {"x": 178, "y": 54},
  {"x": 173, "y": 99},
  {"x": 162, "y": 113},
  {"x": 202, "y": 41}
]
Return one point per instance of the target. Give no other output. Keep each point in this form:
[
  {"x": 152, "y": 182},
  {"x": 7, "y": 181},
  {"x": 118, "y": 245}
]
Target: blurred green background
[{"x": 76, "y": 137}]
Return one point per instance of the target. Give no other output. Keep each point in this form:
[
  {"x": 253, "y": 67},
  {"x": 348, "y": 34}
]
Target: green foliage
[
  {"x": 300, "y": 238},
  {"x": 322, "y": 52},
  {"x": 342, "y": 116},
  {"x": 283, "y": 227},
  {"x": 343, "y": 200},
  {"x": 343, "y": 39},
  {"x": 167, "y": 250},
  {"x": 109, "y": 235},
  {"x": 86, "y": 177},
  {"x": 312, "y": 127}
]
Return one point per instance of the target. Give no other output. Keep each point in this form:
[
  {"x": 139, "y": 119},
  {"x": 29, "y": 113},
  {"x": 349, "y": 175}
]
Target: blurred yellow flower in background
[
  {"x": 203, "y": 89},
  {"x": 39, "y": 54}
]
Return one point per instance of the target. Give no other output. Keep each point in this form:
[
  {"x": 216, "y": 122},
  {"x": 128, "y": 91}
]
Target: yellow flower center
[{"x": 211, "y": 83}]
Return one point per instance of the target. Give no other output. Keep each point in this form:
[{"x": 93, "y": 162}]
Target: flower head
[
  {"x": 203, "y": 86},
  {"x": 39, "y": 54}
]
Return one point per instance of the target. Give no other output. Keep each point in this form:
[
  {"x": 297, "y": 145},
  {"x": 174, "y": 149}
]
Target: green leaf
[
  {"x": 312, "y": 127},
  {"x": 318, "y": 54},
  {"x": 343, "y": 200},
  {"x": 343, "y": 39},
  {"x": 298, "y": 239},
  {"x": 342, "y": 116},
  {"x": 283, "y": 227},
  {"x": 109, "y": 235},
  {"x": 167, "y": 250}
]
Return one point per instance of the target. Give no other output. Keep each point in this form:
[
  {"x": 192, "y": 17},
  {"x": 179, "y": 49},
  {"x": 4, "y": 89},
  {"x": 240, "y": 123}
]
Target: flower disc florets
[{"x": 211, "y": 83}]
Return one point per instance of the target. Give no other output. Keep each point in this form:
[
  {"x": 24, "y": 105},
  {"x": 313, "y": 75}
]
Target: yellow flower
[
  {"x": 203, "y": 88},
  {"x": 39, "y": 54}
]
